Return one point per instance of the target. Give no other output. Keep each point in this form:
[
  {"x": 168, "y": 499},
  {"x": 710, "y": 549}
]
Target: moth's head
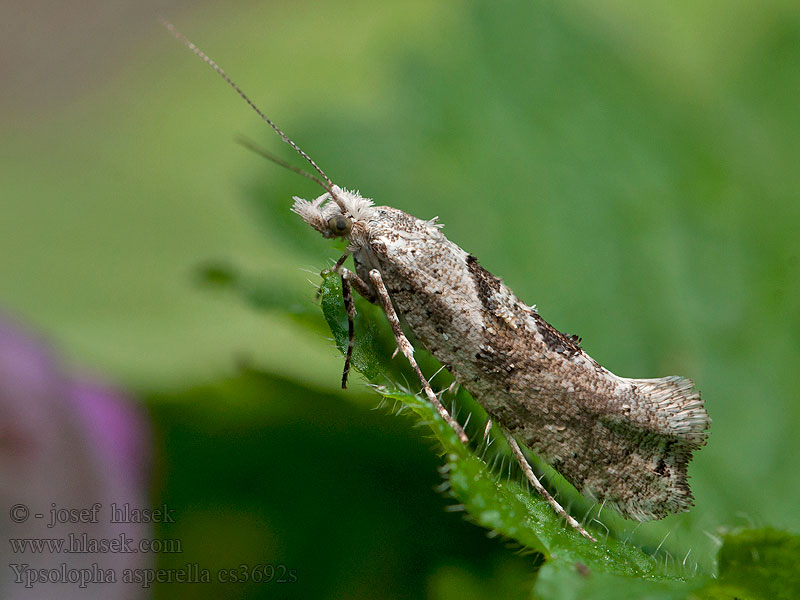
[{"x": 336, "y": 213}]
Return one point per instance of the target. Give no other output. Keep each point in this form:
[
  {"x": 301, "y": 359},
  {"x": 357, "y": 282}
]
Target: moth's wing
[{"x": 634, "y": 454}]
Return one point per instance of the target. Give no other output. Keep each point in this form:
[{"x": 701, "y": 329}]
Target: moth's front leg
[
  {"x": 351, "y": 279},
  {"x": 350, "y": 309},
  {"x": 408, "y": 351},
  {"x": 361, "y": 286}
]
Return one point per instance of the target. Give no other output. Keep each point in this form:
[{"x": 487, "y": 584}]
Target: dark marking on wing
[
  {"x": 669, "y": 448},
  {"x": 557, "y": 341},
  {"x": 486, "y": 283}
]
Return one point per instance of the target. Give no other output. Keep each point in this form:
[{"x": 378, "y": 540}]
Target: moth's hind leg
[
  {"x": 531, "y": 476},
  {"x": 408, "y": 351}
]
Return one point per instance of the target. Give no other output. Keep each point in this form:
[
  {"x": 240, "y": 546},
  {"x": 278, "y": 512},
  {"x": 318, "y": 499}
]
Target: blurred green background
[{"x": 630, "y": 168}]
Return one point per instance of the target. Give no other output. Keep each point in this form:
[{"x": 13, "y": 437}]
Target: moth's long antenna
[
  {"x": 328, "y": 183},
  {"x": 253, "y": 147}
]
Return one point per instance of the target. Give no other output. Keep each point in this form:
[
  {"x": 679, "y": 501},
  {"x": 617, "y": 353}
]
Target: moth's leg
[
  {"x": 408, "y": 351},
  {"x": 526, "y": 468},
  {"x": 340, "y": 262},
  {"x": 350, "y": 308},
  {"x": 347, "y": 295},
  {"x": 350, "y": 280},
  {"x": 359, "y": 284}
]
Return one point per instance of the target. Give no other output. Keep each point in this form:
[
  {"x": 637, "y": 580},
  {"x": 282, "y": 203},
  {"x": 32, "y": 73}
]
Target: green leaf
[
  {"x": 560, "y": 580},
  {"x": 757, "y": 564}
]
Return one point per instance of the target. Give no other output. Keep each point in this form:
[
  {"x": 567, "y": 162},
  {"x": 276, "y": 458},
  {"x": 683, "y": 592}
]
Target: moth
[{"x": 624, "y": 442}]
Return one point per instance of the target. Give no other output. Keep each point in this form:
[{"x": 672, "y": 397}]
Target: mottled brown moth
[{"x": 624, "y": 442}]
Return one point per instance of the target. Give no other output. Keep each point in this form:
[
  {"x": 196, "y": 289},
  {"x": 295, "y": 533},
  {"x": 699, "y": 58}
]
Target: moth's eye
[{"x": 339, "y": 225}]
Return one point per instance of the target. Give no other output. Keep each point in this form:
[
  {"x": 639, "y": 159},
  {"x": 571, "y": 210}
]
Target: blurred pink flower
[{"x": 66, "y": 443}]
